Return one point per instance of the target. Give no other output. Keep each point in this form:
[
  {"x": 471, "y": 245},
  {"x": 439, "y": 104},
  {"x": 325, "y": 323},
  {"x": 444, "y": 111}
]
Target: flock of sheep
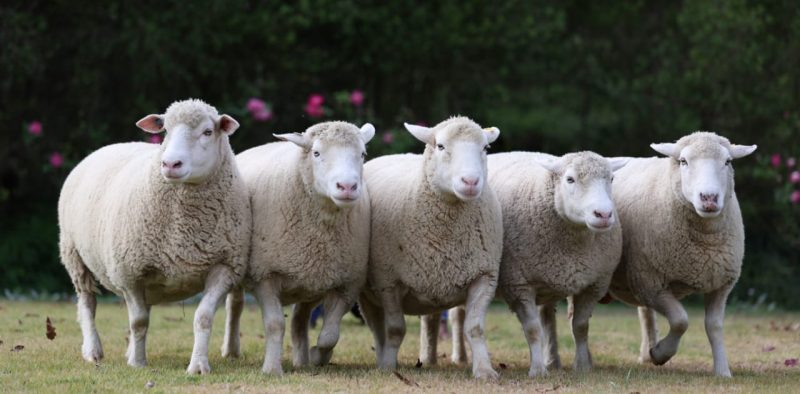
[{"x": 306, "y": 220}]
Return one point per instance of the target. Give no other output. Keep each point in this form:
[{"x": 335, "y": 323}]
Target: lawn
[{"x": 758, "y": 343}]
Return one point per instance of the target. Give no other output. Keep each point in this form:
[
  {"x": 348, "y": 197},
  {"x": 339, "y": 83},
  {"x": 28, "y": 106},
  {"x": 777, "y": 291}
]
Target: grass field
[{"x": 56, "y": 365}]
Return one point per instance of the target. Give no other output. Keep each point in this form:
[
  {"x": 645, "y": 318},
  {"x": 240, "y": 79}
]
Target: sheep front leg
[
  {"x": 218, "y": 283},
  {"x": 92, "y": 349},
  {"x": 301, "y": 312},
  {"x": 456, "y": 316},
  {"x": 525, "y": 308},
  {"x": 428, "y": 338},
  {"x": 335, "y": 306},
  {"x": 479, "y": 296},
  {"x": 268, "y": 295},
  {"x": 647, "y": 323},
  {"x": 715, "y": 314},
  {"x": 547, "y": 313},
  {"x": 671, "y": 308},
  {"x": 373, "y": 314},
  {"x": 234, "y": 305},
  {"x": 395, "y": 323},
  {"x": 139, "y": 321},
  {"x": 581, "y": 307}
]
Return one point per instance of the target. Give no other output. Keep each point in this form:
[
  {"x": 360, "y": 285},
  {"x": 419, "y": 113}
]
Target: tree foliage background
[{"x": 555, "y": 76}]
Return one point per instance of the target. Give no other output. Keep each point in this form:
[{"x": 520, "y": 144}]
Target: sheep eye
[
  {"x": 316, "y": 154},
  {"x": 728, "y": 162},
  {"x": 363, "y": 155},
  {"x": 684, "y": 162},
  {"x": 486, "y": 148},
  {"x": 570, "y": 179},
  {"x": 440, "y": 146},
  {"x": 207, "y": 133}
]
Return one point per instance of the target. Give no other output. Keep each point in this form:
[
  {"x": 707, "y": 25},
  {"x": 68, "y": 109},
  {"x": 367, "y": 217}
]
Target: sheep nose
[
  {"x": 470, "y": 180},
  {"x": 347, "y": 186},
  {"x": 603, "y": 215},
  {"x": 709, "y": 198},
  {"x": 174, "y": 164}
]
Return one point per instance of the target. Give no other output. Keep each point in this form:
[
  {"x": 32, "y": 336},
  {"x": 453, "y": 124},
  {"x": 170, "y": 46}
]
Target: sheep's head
[
  {"x": 457, "y": 150},
  {"x": 706, "y": 169},
  {"x": 582, "y": 193},
  {"x": 196, "y": 137},
  {"x": 336, "y": 152}
]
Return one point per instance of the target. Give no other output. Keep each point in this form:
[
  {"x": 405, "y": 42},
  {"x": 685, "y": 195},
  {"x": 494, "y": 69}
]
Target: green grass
[{"x": 56, "y": 366}]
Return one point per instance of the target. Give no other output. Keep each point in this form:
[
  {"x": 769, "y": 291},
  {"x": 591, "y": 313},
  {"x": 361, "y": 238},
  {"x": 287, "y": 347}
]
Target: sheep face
[
  {"x": 336, "y": 153},
  {"x": 706, "y": 170},
  {"x": 195, "y": 141},
  {"x": 458, "y": 153},
  {"x": 582, "y": 190}
]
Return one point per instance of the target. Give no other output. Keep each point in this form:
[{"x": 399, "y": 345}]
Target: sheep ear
[
  {"x": 367, "y": 132},
  {"x": 295, "y": 138},
  {"x": 151, "y": 123},
  {"x": 227, "y": 124},
  {"x": 739, "y": 151},
  {"x": 617, "y": 162},
  {"x": 551, "y": 163},
  {"x": 424, "y": 134},
  {"x": 667, "y": 149},
  {"x": 491, "y": 133}
]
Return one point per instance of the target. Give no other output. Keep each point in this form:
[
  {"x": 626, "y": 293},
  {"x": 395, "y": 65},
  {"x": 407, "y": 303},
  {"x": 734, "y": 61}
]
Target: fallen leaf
[
  {"x": 19, "y": 321},
  {"x": 790, "y": 362},
  {"x": 405, "y": 379},
  {"x": 503, "y": 366},
  {"x": 20, "y": 347},
  {"x": 1, "y": 342},
  {"x": 51, "y": 331},
  {"x": 767, "y": 348},
  {"x": 31, "y": 315},
  {"x": 443, "y": 355},
  {"x": 418, "y": 364},
  {"x": 150, "y": 384},
  {"x": 260, "y": 336}
]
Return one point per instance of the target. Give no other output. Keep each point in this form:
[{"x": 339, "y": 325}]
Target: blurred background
[{"x": 555, "y": 76}]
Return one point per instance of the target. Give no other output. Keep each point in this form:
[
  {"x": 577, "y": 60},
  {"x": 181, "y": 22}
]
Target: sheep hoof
[
  {"x": 231, "y": 351},
  {"x": 198, "y": 367},
  {"x": 486, "y": 374},
  {"x": 93, "y": 354},
  {"x": 655, "y": 359},
  {"x": 317, "y": 358},
  {"x": 272, "y": 370},
  {"x": 537, "y": 371}
]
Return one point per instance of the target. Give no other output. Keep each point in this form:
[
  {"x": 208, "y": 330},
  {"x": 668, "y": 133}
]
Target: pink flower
[
  {"x": 790, "y": 162},
  {"x": 775, "y": 160},
  {"x": 155, "y": 139},
  {"x": 388, "y": 137},
  {"x": 795, "y": 197},
  {"x": 56, "y": 160},
  {"x": 316, "y": 100},
  {"x": 255, "y": 105},
  {"x": 357, "y": 98},
  {"x": 794, "y": 177},
  {"x": 262, "y": 115},
  {"x": 314, "y": 111},
  {"x": 35, "y": 127}
]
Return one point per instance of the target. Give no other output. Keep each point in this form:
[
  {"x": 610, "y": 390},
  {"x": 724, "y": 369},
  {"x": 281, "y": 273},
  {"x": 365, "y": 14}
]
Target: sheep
[
  {"x": 682, "y": 234},
  {"x": 436, "y": 237},
  {"x": 560, "y": 239},
  {"x": 311, "y": 221},
  {"x": 157, "y": 223}
]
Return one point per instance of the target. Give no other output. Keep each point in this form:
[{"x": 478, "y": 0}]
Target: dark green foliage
[{"x": 556, "y": 76}]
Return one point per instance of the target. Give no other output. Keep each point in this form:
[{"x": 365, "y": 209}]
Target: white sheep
[
  {"x": 311, "y": 222},
  {"x": 157, "y": 223},
  {"x": 436, "y": 237},
  {"x": 560, "y": 239},
  {"x": 682, "y": 234}
]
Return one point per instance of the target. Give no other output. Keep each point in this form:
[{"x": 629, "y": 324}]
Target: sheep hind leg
[
  {"x": 335, "y": 307},
  {"x": 85, "y": 285},
  {"x": 527, "y": 313},
  {"x": 647, "y": 323},
  {"x": 373, "y": 314},
  {"x": 395, "y": 323},
  {"x": 428, "y": 338},
  {"x": 456, "y": 316},
  {"x": 301, "y": 312},
  {"x": 671, "y": 308},
  {"x": 234, "y": 305},
  {"x": 715, "y": 314},
  {"x": 547, "y": 313}
]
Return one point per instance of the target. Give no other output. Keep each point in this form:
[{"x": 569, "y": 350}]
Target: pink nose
[
  {"x": 171, "y": 165},
  {"x": 470, "y": 180},
  {"x": 603, "y": 215},
  {"x": 347, "y": 187},
  {"x": 709, "y": 198}
]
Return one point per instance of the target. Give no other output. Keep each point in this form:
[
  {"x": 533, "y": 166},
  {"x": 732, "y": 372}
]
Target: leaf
[
  {"x": 51, "y": 330},
  {"x": 790, "y": 362},
  {"x": 767, "y": 348},
  {"x": 418, "y": 364},
  {"x": 20, "y": 347},
  {"x": 503, "y": 366},
  {"x": 405, "y": 379}
]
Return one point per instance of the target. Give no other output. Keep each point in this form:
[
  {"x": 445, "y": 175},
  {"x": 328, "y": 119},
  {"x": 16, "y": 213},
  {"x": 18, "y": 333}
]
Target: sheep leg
[
  {"x": 139, "y": 321},
  {"x": 547, "y": 313},
  {"x": 301, "y": 312},
  {"x": 456, "y": 316},
  {"x": 428, "y": 338},
  {"x": 92, "y": 349},
  {"x": 268, "y": 295},
  {"x": 647, "y": 322},
  {"x": 218, "y": 283},
  {"x": 671, "y": 308},
  {"x": 234, "y": 305},
  {"x": 581, "y": 307},
  {"x": 373, "y": 315},
  {"x": 479, "y": 296},
  {"x": 715, "y": 314},
  {"x": 336, "y": 305},
  {"x": 395, "y": 323},
  {"x": 525, "y": 308}
]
